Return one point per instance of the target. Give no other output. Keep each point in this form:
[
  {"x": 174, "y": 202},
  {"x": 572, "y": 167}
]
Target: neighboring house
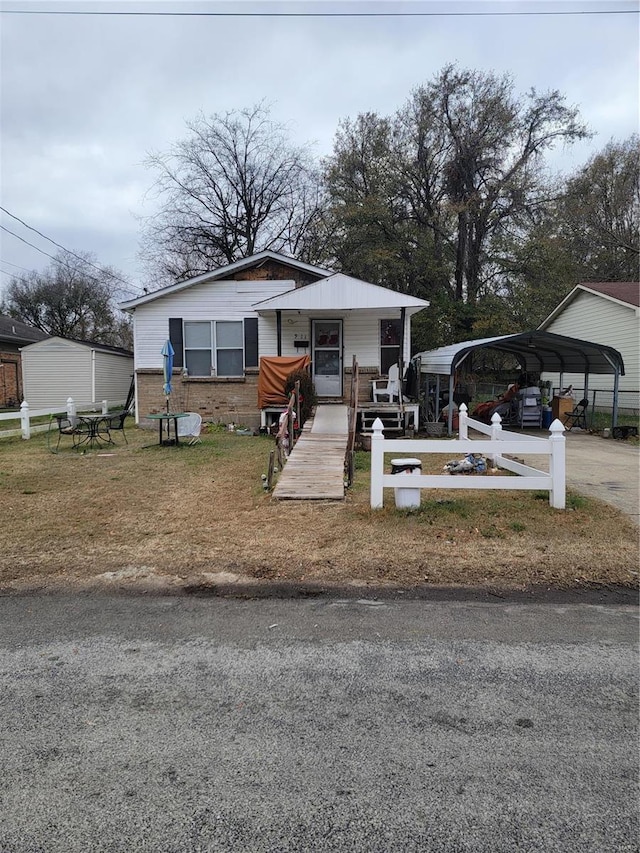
[
  {"x": 607, "y": 313},
  {"x": 13, "y": 335},
  {"x": 221, "y": 323},
  {"x": 57, "y": 368}
]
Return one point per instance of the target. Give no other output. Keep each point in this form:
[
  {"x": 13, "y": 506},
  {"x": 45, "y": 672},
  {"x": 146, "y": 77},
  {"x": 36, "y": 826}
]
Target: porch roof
[{"x": 340, "y": 292}]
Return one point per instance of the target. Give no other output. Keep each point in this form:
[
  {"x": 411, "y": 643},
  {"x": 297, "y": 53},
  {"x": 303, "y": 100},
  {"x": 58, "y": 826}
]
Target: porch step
[{"x": 393, "y": 421}]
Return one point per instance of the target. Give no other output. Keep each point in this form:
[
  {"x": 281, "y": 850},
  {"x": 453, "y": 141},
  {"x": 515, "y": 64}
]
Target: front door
[{"x": 327, "y": 357}]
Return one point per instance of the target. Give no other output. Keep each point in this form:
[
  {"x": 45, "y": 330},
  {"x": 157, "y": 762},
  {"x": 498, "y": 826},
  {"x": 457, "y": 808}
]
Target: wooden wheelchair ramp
[{"x": 314, "y": 470}]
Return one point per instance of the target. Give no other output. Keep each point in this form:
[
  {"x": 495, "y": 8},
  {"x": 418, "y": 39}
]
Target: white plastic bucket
[{"x": 405, "y": 469}]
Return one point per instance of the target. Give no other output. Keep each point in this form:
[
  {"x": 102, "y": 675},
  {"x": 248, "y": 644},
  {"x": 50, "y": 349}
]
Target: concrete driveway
[
  {"x": 601, "y": 468},
  {"x": 605, "y": 469}
]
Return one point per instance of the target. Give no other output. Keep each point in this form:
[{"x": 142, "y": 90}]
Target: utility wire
[
  {"x": 128, "y": 289},
  {"x": 139, "y": 14},
  {"x": 59, "y": 246},
  {"x": 2, "y": 260}
]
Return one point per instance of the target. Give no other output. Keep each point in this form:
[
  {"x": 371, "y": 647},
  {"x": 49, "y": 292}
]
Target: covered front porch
[{"x": 335, "y": 321}]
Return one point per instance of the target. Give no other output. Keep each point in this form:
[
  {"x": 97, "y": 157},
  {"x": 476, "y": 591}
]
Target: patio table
[
  {"x": 167, "y": 417},
  {"x": 92, "y": 430}
]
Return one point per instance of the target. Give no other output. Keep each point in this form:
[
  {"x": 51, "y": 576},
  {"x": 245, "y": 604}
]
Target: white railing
[
  {"x": 500, "y": 442},
  {"x": 70, "y": 408}
]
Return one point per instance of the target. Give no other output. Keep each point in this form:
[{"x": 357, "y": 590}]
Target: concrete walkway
[{"x": 315, "y": 467}]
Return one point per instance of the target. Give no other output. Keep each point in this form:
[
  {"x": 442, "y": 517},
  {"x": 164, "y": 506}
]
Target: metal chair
[
  {"x": 190, "y": 427},
  {"x": 114, "y": 422},
  {"x": 578, "y": 416},
  {"x": 60, "y": 425}
]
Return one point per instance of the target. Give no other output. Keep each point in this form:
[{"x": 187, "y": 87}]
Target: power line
[
  {"x": 59, "y": 246},
  {"x": 2, "y": 260},
  {"x": 128, "y": 290},
  {"x": 33, "y": 246},
  {"x": 326, "y": 14}
]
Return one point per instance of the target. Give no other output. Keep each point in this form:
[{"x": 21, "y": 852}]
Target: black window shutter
[
  {"x": 175, "y": 336},
  {"x": 250, "y": 341}
]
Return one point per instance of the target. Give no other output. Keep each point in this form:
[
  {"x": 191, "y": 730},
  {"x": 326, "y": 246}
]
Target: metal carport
[{"x": 535, "y": 351}]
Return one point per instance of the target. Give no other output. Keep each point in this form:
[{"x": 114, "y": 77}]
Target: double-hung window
[
  {"x": 214, "y": 347},
  {"x": 390, "y": 337}
]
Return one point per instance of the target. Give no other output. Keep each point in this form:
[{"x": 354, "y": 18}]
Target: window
[
  {"x": 215, "y": 346},
  {"x": 390, "y": 336}
]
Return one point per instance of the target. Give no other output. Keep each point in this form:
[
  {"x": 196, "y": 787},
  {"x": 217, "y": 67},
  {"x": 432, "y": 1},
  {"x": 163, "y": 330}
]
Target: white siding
[
  {"x": 361, "y": 334},
  {"x": 54, "y": 370},
  {"x": 220, "y": 300},
  {"x": 112, "y": 376},
  {"x": 603, "y": 321}
]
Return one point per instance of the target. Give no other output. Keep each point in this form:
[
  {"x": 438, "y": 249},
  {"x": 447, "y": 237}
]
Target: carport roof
[{"x": 536, "y": 351}]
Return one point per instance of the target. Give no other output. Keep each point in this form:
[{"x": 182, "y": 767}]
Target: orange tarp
[{"x": 273, "y": 376}]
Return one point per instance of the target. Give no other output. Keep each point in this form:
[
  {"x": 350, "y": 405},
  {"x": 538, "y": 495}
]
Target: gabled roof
[
  {"x": 536, "y": 351},
  {"x": 624, "y": 292},
  {"x": 339, "y": 292},
  {"x": 56, "y": 339},
  {"x": 225, "y": 272},
  {"x": 14, "y": 331}
]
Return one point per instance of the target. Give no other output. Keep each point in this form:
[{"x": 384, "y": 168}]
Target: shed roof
[
  {"x": 536, "y": 351},
  {"x": 58, "y": 341},
  {"x": 340, "y": 292}
]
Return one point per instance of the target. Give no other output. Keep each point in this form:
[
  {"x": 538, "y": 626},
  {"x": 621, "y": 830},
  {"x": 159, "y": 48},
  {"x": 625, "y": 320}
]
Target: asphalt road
[{"x": 202, "y": 724}]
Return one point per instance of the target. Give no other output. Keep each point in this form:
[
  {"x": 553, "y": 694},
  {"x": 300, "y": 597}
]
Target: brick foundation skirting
[{"x": 215, "y": 399}]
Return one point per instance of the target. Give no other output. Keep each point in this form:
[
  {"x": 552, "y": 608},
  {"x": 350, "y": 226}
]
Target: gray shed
[{"x": 57, "y": 368}]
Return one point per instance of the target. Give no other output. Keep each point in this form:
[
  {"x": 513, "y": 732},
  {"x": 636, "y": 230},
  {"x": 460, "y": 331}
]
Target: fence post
[
  {"x": 25, "y": 426},
  {"x": 463, "y": 427},
  {"x": 496, "y": 436},
  {"x": 558, "y": 491},
  {"x": 377, "y": 464}
]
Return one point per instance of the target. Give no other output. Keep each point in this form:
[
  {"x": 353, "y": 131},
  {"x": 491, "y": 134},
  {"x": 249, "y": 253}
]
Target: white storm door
[{"x": 327, "y": 357}]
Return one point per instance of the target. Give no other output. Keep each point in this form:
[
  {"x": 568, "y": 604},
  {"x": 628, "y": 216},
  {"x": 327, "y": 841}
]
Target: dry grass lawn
[{"x": 185, "y": 513}]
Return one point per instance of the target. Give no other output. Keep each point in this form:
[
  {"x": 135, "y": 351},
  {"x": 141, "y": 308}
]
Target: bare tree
[
  {"x": 72, "y": 298},
  {"x": 234, "y": 186}
]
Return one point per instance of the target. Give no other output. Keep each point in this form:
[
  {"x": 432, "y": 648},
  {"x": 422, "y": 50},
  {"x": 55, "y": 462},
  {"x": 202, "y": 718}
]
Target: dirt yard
[{"x": 182, "y": 516}]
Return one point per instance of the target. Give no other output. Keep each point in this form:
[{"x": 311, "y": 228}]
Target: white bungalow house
[
  {"x": 609, "y": 313},
  {"x": 222, "y": 322}
]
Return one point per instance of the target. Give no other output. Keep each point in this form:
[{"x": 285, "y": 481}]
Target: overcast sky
[{"x": 85, "y": 98}]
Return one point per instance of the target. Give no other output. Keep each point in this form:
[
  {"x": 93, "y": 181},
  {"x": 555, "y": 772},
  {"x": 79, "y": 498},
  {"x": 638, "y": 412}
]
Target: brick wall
[
  {"x": 217, "y": 400},
  {"x": 221, "y": 400},
  {"x": 10, "y": 379}
]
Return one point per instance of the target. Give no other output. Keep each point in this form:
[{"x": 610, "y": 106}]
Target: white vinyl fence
[
  {"x": 70, "y": 408},
  {"x": 499, "y": 443}
]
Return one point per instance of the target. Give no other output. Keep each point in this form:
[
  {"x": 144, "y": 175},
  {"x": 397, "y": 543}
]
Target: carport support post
[
  {"x": 450, "y": 405},
  {"x": 557, "y": 462},
  {"x": 614, "y": 415},
  {"x": 377, "y": 465}
]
